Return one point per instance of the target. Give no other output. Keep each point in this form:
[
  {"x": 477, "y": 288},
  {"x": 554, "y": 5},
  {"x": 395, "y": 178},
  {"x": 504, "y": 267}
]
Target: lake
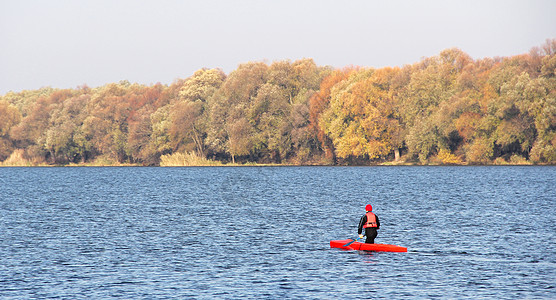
[{"x": 264, "y": 232}]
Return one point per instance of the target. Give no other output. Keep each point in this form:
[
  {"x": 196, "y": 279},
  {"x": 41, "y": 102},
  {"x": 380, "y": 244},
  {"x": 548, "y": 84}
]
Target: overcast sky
[{"x": 65, "y": 44}]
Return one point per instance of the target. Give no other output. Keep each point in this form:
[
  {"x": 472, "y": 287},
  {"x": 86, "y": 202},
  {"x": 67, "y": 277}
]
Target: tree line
[{"x": 445, "y": 109}]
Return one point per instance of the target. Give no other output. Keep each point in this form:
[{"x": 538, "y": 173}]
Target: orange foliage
[{"x": 319, "y": 102}]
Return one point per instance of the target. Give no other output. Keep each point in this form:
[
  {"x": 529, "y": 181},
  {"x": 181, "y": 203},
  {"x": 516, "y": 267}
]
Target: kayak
[{"x": 367, "y": 247}]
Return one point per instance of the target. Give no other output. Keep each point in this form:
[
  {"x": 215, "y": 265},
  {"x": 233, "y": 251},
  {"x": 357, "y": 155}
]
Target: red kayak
[{"x": 367, "y": 247}]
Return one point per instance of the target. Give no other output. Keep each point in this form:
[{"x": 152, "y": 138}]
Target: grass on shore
[
  {"x": 18, "y": 159},
  {"x": 186, "y": 160}
]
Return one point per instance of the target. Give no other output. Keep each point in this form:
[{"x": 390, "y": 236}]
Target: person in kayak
[{"x": 370, "y": 222}]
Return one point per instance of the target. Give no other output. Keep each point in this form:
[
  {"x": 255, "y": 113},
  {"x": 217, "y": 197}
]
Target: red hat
[{"x": 369, "y": 207}]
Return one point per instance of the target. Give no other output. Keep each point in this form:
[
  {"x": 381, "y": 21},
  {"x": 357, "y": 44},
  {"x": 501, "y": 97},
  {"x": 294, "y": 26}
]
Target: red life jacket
[{"x": 371, "y": 220}]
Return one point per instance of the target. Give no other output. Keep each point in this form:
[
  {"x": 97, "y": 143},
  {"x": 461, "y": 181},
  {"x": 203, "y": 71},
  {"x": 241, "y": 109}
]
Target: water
[{"x": 264, "y": 232}]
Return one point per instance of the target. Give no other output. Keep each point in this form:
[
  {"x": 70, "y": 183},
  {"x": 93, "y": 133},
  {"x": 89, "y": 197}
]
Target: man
[{"x": 370, "y": 222}]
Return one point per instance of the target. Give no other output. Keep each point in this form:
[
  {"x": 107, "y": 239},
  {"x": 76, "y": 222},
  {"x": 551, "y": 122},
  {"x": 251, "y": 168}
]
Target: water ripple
[{"x": 237, "y": 233}]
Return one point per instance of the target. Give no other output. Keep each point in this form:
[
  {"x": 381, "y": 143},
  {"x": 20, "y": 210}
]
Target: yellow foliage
[
  {"x": 361, "y": 119},
  {"x": 446, "y": 157},
  {"x": 519, "y": 160},
  {"x": 480, "y": 151}
]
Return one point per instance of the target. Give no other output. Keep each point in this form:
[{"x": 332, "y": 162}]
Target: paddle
[{"x": 351, "y": 242}]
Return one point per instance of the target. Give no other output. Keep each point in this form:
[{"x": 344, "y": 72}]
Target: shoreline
[{"x": 388, "y": 164}]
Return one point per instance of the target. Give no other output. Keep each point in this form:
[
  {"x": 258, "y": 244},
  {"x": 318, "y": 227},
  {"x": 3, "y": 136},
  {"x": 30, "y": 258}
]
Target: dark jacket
[{"x": 364, "y": 220}]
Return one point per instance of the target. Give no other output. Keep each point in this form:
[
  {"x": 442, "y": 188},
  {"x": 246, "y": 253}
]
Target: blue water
[{"x": 264, "y": 232}]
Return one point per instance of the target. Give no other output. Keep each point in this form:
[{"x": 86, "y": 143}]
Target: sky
[{"x": 66, "y": 44}]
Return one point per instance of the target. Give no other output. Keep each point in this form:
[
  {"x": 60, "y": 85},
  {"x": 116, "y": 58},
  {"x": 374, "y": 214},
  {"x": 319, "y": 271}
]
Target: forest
[{"x": 445, "y": 109}]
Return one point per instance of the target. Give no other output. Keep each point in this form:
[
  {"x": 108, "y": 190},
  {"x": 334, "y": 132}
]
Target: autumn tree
[
  {"x": 30, "y": 133},
  {"x": 230, "y": 131},
  {"x": 433, "y": 84},
  {"x": 189, "y": 115},
  {"x": 269, "y": 113},
  {"x": 362, "y": 117},
  {"x": 447, "y": 108},
  {"x": 9, "y": 117},
  {"x": 318, "y": 103}
]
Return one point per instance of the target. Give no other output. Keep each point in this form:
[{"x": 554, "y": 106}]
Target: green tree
[
  {"x": 540, "y": 95},
  {"x": 269, "y": 113},
  {"x": 229, "y": 131},
  {"x": 427, "y": 108},
  {"x": 189, "y": 115}
]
